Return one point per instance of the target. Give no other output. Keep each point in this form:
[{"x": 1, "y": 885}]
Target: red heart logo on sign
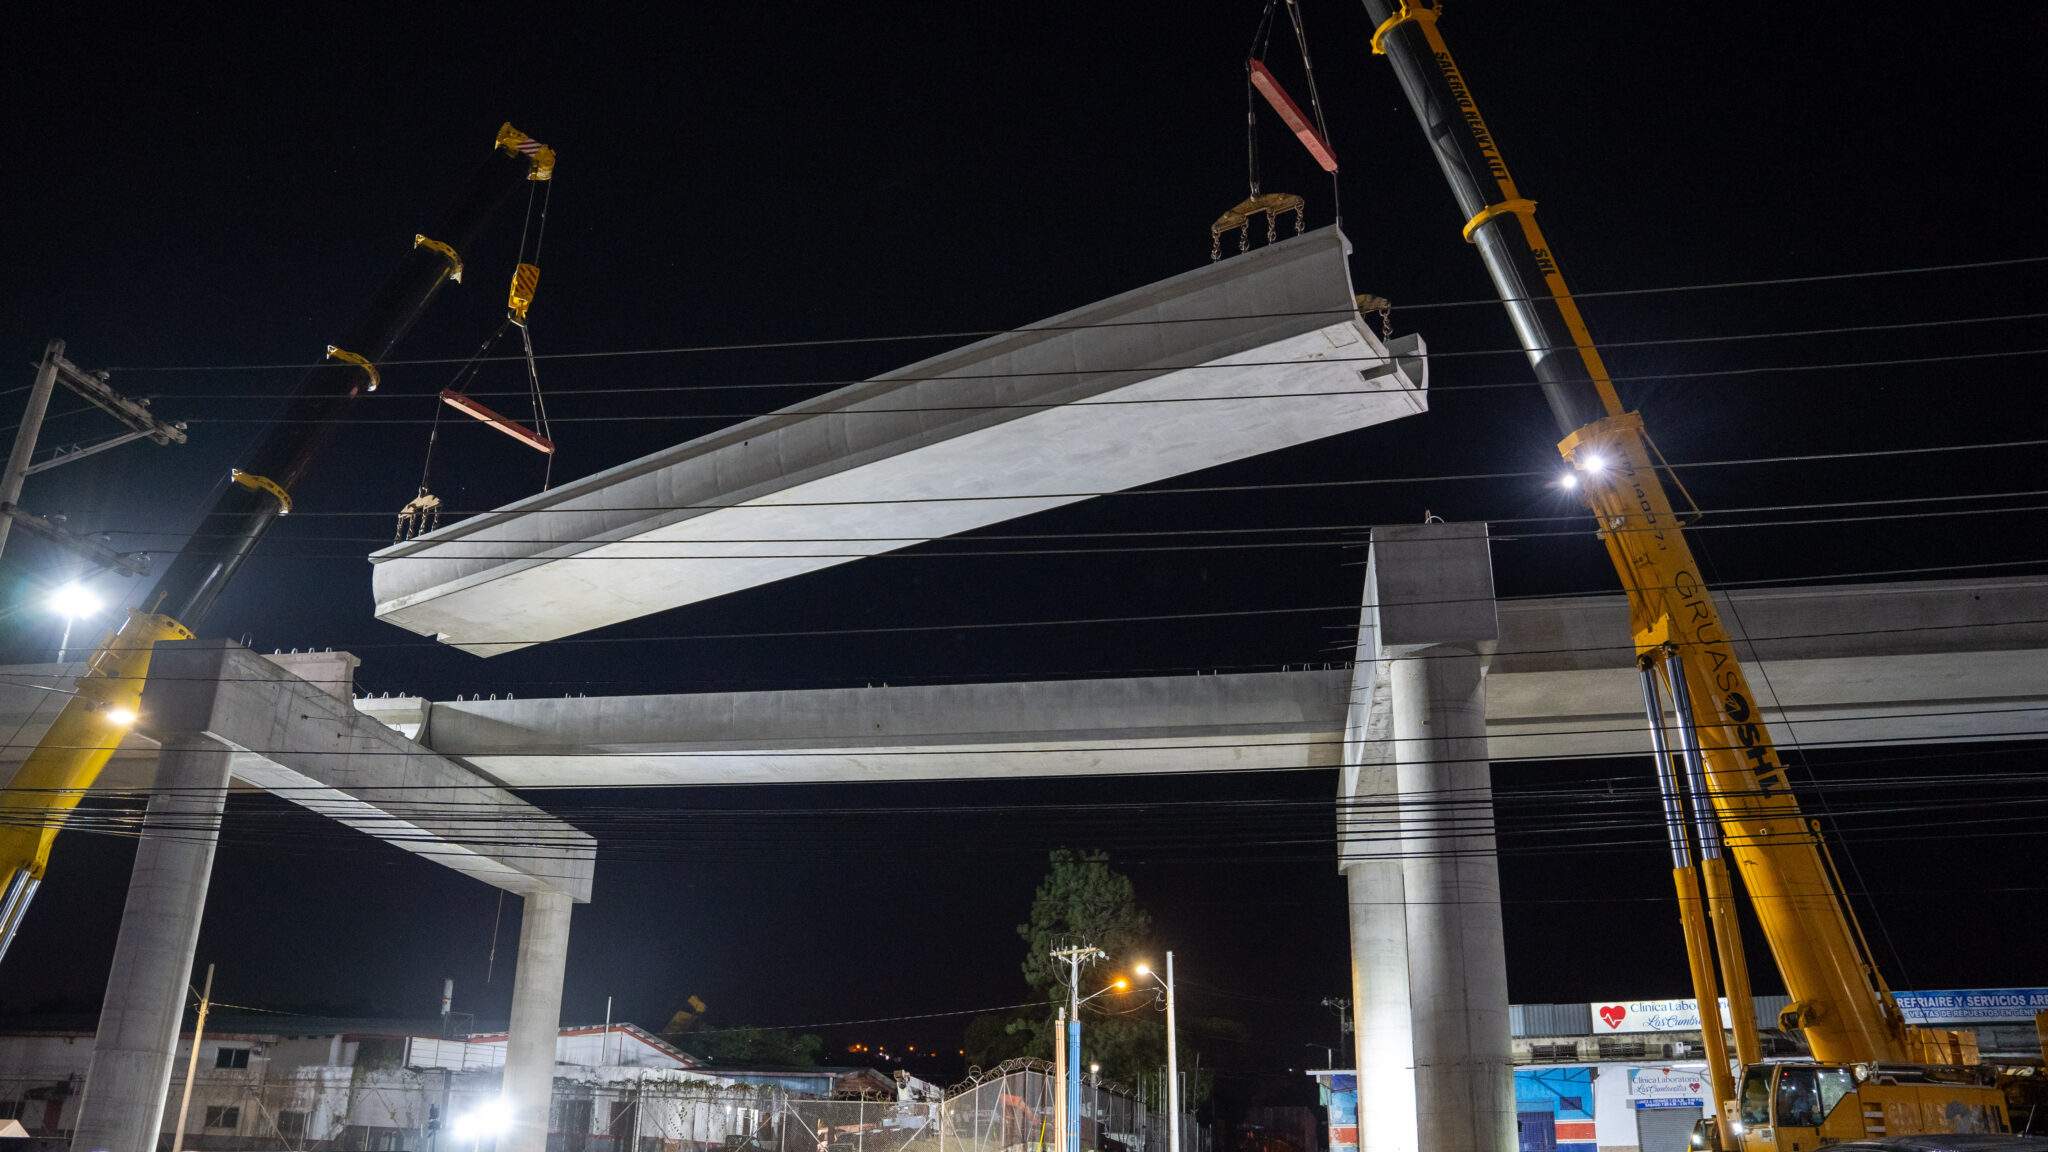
[
  {"x": 1695, "y": 1086},
  {"x": 1612, "y": 1014}
]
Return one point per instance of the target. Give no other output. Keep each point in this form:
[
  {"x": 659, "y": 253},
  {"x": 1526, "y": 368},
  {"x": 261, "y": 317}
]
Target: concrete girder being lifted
[{"x": 1171, "y": 378}]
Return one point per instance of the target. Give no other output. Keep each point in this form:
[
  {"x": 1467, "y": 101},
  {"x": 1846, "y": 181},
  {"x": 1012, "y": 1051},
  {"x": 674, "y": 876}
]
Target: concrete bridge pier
[
  {"x": 1429, "y": 967},
  {"x": 529, "y": 1083},
  {"x": 122, "y": 1108},
  {"x": 288, "y": 724}
]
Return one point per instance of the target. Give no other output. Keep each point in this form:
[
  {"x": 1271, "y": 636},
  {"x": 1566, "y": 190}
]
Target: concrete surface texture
[
  {"x": 529, "y": 1081},
  {"x": 1899, "y": 664},
  {"x": 301, "y": 742},
  {"x": 123, "y": 1103},
  {"x": 1170, "y": 378},
  {"x": 1431, "y": 621}
]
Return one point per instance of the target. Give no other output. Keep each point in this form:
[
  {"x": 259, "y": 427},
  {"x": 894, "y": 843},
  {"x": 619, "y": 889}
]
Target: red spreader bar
[
  {"x": 498, "y": 420},
  {"x": 1269, "y": 87}
]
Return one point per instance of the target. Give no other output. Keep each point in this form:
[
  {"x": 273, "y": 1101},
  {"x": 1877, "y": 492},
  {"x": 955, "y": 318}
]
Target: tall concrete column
[
  {"x": 1457, "y": 963},
  {"x": 1429, "y": 971},
  {"x": 122, "y": 1108},
  {"x": 536, "y": 1019},
  {"x": 1381, "y": 1031}
]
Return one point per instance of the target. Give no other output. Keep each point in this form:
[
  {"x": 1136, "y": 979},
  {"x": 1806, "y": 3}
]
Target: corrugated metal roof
[{"x": 1550, "y": 1019}]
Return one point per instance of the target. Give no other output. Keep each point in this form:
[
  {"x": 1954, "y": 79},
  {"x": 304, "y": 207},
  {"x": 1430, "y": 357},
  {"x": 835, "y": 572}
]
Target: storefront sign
[
  {"x": 1972, "y": 1005},
  {"x": 1666, "y": 1088},
  {"x": 1650, "y": 1016},
  {"x": 1340, "y": 1101}
]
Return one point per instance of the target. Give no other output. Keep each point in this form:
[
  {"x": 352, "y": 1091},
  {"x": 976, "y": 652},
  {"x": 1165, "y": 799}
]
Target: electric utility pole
[
  {"x": 141, "y": 423},
  {"x": 192, "y": 1063},
  {"x": 1342, "y": 1008},
  {"x": 1075, "y": 956}
]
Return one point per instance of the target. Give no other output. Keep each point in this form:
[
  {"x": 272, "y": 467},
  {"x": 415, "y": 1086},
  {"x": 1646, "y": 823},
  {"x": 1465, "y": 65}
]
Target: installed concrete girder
[
  {"x": 1171, "y": 378},
  {"x": 1913, "y": 663},
  {"x": 299, "y": 741}
]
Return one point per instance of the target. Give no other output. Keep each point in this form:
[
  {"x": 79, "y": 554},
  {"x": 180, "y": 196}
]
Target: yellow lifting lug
[
  {"x": 255, "y": 483},
  {"x": 360, "y": 361},
  {"x": 1271, "y": 205},
  {"x": 1421, "y": 13},
  {"x": 525, "y": 281},
  {"x": 519, "y": 143},
  {"x": 421, "y": 240}
]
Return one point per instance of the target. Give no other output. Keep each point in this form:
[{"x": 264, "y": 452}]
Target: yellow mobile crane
[
  {"x": 1871, "y": 1074},
  {"x": 104, "y": 702}
]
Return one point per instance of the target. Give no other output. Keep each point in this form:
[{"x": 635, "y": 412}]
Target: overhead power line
[
  {"x": 1140, "y": 372},
  {"x": 306, "y": 514},
  {"x": 983, "y": 625},
  {"x": 1148, "y": 533},
  {"x": 641, "y": 551},
  {"x": 983, "y": 333},
  {"x": 1526, "y": 816}
]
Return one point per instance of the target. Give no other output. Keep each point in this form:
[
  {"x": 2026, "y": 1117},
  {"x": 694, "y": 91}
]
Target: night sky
[{"x": 224, "y": 195}]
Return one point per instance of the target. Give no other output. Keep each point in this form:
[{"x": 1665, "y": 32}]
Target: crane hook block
[
  {"x": 525, "y": 282},
  {"x": 360, "y": 361},
  {"x": 421, "y": 240},
  {"x": 518, "y": 143}
]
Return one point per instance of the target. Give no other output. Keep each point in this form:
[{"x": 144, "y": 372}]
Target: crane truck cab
[{"x": 1803, "y": 1106}]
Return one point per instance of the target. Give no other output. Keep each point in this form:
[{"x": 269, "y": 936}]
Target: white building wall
[{"x": 1614, "y": 1118}]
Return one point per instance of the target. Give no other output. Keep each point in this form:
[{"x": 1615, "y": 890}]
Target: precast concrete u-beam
[
  {"x": 1898, "y": 663},
  {"x": 1243, "y": 356}
]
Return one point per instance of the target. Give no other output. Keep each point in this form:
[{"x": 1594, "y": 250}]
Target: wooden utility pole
[{"x": 192, "y": 1064}]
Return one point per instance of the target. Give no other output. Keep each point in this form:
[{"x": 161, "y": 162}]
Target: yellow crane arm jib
[
  {"x": 69, "y": 757},
  {"x": 1846, "y": 1012}
]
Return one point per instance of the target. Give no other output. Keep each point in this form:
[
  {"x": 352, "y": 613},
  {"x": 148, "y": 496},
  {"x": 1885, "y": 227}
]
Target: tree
[
  {"x": 998, "y": 1036},
  {"x": 1084, "y": 901},
  {"x": 768, "y": 1047}
]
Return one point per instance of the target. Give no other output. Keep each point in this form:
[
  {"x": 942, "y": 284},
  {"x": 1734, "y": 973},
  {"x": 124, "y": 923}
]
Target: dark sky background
[{"x": 225, "y": 194}]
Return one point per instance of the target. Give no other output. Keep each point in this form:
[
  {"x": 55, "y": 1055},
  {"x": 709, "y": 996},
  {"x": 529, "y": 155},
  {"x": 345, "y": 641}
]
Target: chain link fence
[{"x": 1010, "y": 1108}]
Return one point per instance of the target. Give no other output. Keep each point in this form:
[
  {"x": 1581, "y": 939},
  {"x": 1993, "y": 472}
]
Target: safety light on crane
[{"x": 121, "y": 717}]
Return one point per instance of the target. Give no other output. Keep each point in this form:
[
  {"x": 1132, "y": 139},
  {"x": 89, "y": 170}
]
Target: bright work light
[
  {"x": 487, "y": 1120},
  {"x": 74, "y": 601}
]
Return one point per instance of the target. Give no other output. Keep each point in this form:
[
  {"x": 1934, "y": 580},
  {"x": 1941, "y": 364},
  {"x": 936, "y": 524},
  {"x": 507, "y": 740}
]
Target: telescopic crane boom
[
  {"x": 57, "y": 772},
  {"x": 1905, "y": 1078}
]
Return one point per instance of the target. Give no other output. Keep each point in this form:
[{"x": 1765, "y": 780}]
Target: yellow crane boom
[{"x": 1896, "y": 1079}]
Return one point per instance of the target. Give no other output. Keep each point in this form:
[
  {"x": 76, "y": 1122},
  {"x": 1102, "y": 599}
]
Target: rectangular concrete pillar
[
  {"x": 1429, "y": 966},
  {"x": 1382, "y": 1031},
  {"x": 122, "y": 1107},
  {"x": 1457, "y": 963},
  {"x": 529, "y": 1082}
]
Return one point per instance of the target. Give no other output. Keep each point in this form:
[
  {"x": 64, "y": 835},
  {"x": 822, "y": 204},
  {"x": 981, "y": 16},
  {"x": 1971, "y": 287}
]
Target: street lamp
[
  {"x": 74, "y": 602},
  {"x": 1172, "y": 1055}
]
